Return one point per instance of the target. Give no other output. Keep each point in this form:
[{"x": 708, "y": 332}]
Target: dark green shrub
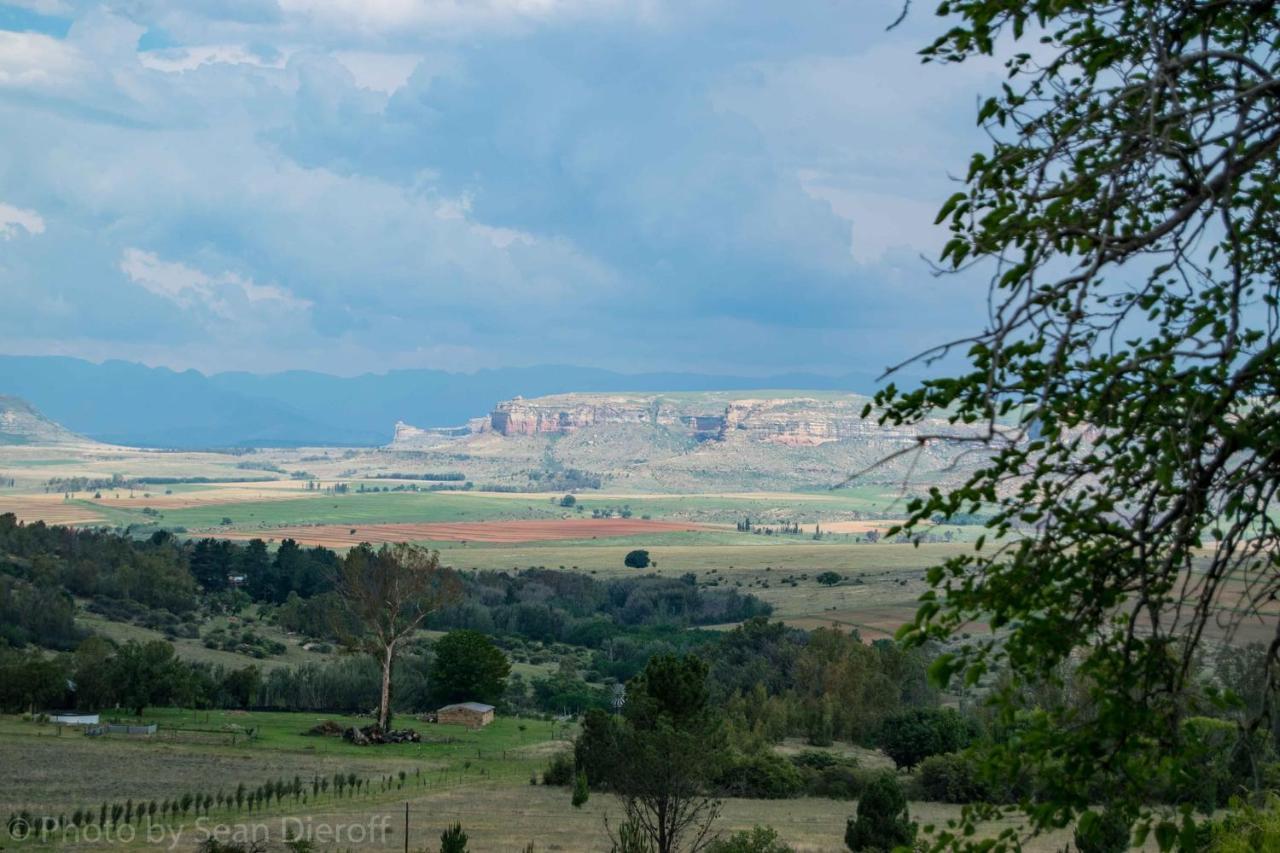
[
  {"x": 761, "y": 775},
  {"x": 453, "y": 840},
  {"x": 1107, "y": 832},
  {"x": 912, "y": 736},
  {"x": 758, "y": 839},
  {"x": 814, "y": 758},
  {"x": 952, "y": 778},
  {"x": 882, "y": 822},
  {"x": 637, "y": 559},
  {"x": 630, "y": 839},
  {"x": 559, "y": 771},
  {"x": 840, "y": 782}
]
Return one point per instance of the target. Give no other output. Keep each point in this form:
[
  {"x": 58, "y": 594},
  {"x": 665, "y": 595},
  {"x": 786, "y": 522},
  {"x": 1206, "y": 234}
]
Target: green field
[
  {"x": 380, "y": 508},
  {"x": 52, "y": 769},
  {"x": 422, "y": 507},
  {"x": 480, "y": 779}
]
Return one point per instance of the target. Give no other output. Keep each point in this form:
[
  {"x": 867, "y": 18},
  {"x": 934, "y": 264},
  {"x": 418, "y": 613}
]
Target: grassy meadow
[{"x": 479, "y": 778}]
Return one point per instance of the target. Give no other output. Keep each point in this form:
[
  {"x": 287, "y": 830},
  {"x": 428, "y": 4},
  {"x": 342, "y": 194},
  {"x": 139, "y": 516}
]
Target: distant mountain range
[{"x": 128, "y": 403}]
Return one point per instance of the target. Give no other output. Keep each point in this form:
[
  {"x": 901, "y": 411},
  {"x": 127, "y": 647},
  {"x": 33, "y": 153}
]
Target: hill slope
[{"x": 20, "y": 423}]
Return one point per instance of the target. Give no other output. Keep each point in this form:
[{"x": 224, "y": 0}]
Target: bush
[
  {"x": 1246, "y": 828},
  {"x": 840, "y": 782},
  {"x": 453, "y": 840},
  {"x": 815, "y": 759},
  {"x": 882, "y": 822},
  {"x": 559, "y": 771},
  {"x": 637, "y": 559},
  {"x": 1221, "y": 764},
  {"x": 758, "y": 839},
  {"x": 761, "y": 775},
  {"x": 630, "y": 839},
  {"x": 1103, "y": 833},
  {"x": 952, "y": 778},
  {"x": 912, "y": 736}
]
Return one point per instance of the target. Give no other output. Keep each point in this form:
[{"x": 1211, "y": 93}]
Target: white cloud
[
  {"x": 33, "y": 59},
  {"x": 225, "y": 296},
  {"x": 880, "y": 221},
  {"x": 44, "y": 7},
  {"x": 176, "y": 60},
  {"x": 390, "y": 15},
  {"x": 381, "y": 72},
  {"x": 14, "y": 218}
]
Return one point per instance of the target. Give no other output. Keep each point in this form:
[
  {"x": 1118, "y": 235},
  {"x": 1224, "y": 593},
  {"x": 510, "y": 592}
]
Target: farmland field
[
  {"x": 511, "y": 530},
  {"x": 340, "y": 536},
  {"x": 478, "y": 778}
]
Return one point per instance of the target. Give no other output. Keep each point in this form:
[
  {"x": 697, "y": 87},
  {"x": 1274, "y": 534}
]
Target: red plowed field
[{"x": 537, "y": 530}]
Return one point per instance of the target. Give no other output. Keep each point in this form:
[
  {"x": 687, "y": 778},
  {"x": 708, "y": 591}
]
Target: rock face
[
  {"x": 794, "y": 421},
  {"x": 567, "y": 413},
  {"x": 683, "y": 442},
  {"x": 20, "y": 423}
]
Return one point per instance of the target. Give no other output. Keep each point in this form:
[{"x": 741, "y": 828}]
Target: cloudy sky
[{"x": 352, "y": 185}]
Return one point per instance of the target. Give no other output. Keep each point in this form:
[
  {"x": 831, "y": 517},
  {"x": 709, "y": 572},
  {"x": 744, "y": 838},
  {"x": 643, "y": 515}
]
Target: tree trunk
[{"x": 384, "y": 702}]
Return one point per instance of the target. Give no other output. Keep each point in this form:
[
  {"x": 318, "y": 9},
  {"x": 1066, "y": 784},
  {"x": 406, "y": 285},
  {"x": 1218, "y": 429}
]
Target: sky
[{"x": 365, "y": 185}]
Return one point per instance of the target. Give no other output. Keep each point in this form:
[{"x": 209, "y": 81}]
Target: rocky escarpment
[
  {"x": 798, "y": 421},
  {"x": 568, "y": 413},
  {"x": 690, "y": 441},
  {"x": 790, "y": 420}
]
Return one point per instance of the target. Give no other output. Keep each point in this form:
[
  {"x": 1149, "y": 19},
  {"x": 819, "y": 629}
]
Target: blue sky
[{"x": 359, "y": 185}]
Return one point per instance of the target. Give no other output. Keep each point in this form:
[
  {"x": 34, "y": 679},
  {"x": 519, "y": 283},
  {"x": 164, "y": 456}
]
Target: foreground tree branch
[{"x": 1129, "y": 376}]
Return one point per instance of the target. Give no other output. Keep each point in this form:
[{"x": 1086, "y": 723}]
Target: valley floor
[{"x": 480, "y": 779}]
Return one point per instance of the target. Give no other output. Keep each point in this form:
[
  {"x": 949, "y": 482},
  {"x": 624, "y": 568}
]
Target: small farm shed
[
  {"x": 73, "y": 718},
  {"x": 473, "y": 714}
]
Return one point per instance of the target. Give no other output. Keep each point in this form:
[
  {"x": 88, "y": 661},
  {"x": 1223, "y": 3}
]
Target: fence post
[{"x": 406, "y": 827}]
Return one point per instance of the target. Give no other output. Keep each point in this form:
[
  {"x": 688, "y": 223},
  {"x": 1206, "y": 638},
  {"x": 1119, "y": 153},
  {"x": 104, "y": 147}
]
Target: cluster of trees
[
  {"x": 559, "y": 606},
  {"x": 822, "y": 685},
  {"x": 161, "y": 572},
  {"x": 134, "y": 676},
  {"x": 671, "y": 754},
  {"x": 564, "y": 480},
  {"x": 100, "y": 675},
  {"x": 443, "y": 476}
]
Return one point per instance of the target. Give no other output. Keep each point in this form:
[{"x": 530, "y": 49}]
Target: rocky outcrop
[
  {"x": 791, "y": 421},
  {"x": 568, "y": 413},
  {"x": 794, "y": 421},
  {"x": 409, "y": 434}
]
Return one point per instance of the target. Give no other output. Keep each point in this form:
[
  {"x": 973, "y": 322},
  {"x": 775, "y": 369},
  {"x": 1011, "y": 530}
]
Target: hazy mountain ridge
[{"x": 128, "y": 403}]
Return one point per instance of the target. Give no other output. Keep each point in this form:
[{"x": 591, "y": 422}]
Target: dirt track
[{"x": 537, "y": 530}]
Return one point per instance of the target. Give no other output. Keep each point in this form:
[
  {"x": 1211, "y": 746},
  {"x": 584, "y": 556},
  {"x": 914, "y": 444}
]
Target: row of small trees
[{"x": 242, "y": 799}]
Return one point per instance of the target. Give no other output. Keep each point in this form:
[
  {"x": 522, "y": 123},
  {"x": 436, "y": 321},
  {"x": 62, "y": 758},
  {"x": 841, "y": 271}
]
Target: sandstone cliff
[{"x": 798, "y": 421}]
